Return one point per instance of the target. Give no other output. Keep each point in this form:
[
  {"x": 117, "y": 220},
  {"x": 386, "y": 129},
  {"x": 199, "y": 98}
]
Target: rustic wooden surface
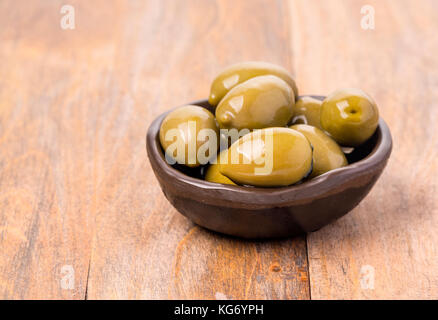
[{"x": 77, "y": 191}]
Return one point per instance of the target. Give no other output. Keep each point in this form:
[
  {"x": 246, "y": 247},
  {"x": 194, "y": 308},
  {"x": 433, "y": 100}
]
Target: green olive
[
  {"x": 260, "y": 102},
  {"x": 350, "y": 116},
  {"x": 268, "y": 157},
  {"x": 189, "y": 134},
  {"x": 327, "y": 155},
  {"x": 213, "y": 174},
  {"x": 308, "y": 111},
  {"x": 240, "y": 72}
]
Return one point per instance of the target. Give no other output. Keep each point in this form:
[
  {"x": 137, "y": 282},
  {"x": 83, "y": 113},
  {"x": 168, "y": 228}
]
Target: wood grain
[
  {"x": 77, "y": 188},
  {"x": 47, "y": 147},
  {"x": 393, "y": 231},
  {"x": 143, "y": 248}
]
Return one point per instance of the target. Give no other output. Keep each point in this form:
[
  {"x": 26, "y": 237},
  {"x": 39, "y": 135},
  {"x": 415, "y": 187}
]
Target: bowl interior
[{"x": 353, "y": 155}]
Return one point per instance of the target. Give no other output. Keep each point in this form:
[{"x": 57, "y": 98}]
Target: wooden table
[{"x": 81, "y": 214}]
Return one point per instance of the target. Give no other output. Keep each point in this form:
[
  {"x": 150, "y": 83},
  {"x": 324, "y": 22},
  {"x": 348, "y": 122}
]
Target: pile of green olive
[{"x": 260, "y": 101}]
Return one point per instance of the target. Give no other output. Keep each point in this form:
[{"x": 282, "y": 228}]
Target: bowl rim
[{"x": 212, "y": 193}]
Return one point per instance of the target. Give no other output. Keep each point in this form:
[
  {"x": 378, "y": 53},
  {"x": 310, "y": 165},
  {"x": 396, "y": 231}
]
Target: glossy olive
[
  {"x": 327, "y": 154},
  {"x": 350, "y": 116},
  {"x": 268, "y": 157},
  {"x": 213, "y": 174},
  {"x": 188, "y": 129},
  {"x": 307, "y": 111},
  {"x": 240, "y": 72},
  {"x": 260, "y": 102}
]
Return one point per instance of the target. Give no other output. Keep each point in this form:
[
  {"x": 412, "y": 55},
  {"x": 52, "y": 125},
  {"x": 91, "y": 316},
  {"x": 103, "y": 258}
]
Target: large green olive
[
  {"x": 327, "y": 155},
  {"x": 213, "y": 174},
  {"x": 260, "y": 102},
  {"x": 268, "y": 157},
  {"x": 189, "y": 136},
  {"x": 350, "y": 116},
  {"x": 241, "y": 72},
  {"x": 307, "y": 111}
]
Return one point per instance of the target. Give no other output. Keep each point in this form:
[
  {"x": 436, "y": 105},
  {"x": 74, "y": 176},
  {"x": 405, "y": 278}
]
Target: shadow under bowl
[{"x": 256, "y": 213}]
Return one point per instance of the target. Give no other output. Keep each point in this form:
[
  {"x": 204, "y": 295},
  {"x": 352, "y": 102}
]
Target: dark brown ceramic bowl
[{"x": 270, "y": 212}]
